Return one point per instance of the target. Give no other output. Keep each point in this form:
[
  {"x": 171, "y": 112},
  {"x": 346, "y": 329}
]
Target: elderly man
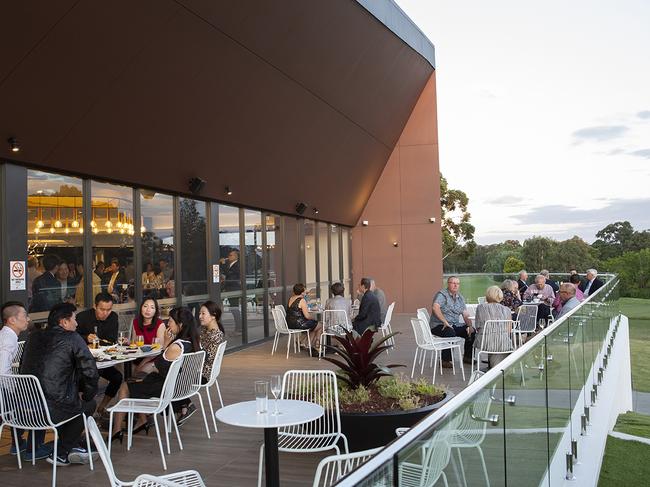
[
  {"x": 574, "y": 280},
  {"x": 542, "y": 292},
  {"x": 554, "y": 285},
  {"x": 60, "y": 359},
  {"x": 381, "y": 297},
  {"x": 446, "y": 313},
  {"x": 592, "y": 283},
  {"x": 568, "y": 298},
  {"x": 522, "y": 282}
]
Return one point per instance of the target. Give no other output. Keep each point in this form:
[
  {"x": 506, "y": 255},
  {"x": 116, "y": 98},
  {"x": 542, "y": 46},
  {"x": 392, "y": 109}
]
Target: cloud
[
  {"x": 645, "y": 114},
  {"x": 505, "y": 201},
  {"x": 600, "y": 133},
  {"x": 644, "y": 153},
  {"x": 615, "y": 152}
]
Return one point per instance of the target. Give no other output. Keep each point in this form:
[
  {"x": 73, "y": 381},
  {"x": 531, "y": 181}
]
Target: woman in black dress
[
  {"x": 299, "y": 317},
  {"x": 182, "y": 336}
]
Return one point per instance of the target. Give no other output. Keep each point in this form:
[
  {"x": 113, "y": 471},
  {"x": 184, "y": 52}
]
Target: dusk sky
[{"x": 543, "y": 111}]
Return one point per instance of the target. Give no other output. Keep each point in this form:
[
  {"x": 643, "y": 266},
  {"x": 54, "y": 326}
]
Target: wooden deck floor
[{"x": 230, "y": 458}]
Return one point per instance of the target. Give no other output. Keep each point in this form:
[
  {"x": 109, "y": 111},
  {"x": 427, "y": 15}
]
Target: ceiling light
[
  {"x": 95, "y": 230},
  {"x": 81, "y": 230},
  {"x": 40, "y": 224},
  {"x": 364, "y": 223},
  {"x": 93, "y": 224},
  {"x": 228, "y": 191},
  {"x": 52, "y": 230},
  {"x": 143, "y": 229},
  {"x": 13, "y": 144},
  {"x": 109, "y": 230},
  {"x": 58, "y": 224},
  {"x": 37, "y": 230},
  {"x": 108, "y": 224}
]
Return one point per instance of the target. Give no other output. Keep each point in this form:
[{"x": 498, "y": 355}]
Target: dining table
[
  {"x": 292, "y": 412},
  {"x": 122, "y": 356}
]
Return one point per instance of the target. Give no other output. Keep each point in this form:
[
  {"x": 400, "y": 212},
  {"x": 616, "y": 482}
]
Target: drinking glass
[
  {"x": 96, "y": 342},
  {"x": 139, "y": 341},
  {"x": 261, "y": 396},
  {"x": 155, "y": 343},
  {"x": 276, "y": 388}
]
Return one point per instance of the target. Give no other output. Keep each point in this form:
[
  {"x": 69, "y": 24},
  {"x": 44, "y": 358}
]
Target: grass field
[
  {"x": 633, "y": 424},
  {"x": 638, "y": 311},
  {"x": 625, "y": 463}
]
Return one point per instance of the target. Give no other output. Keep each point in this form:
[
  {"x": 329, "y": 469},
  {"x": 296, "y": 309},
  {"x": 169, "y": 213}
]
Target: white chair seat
[
  {"x": 288, "y": 442},
  {"x": 145, "y": 406}
]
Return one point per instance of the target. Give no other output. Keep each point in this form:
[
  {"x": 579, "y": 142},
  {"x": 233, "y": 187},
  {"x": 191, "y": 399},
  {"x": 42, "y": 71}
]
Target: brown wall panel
[
  {"x": 382, "y": 261},
  {"x": 417, "y": 181},
  {"x": 386, "y": 208},
  {"x": 421, "y": 278}
]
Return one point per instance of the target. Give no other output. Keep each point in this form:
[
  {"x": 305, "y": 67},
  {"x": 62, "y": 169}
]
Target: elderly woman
[
  {"x": 511, "y": 298},
  {"x": 492, "y": 309},
  {"x": 299, "y": 317}
]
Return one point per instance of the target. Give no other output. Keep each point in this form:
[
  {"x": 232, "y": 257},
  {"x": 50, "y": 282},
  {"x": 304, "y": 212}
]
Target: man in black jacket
[
  {"x": 231, "y": 282},
  {"x": 369, "y": 311},
  {"x": 64, "y": 366},
  {"x": 522, "y": 282},
  {"x": 591, "y": 284},
  {"x": 46, "y": 288}
]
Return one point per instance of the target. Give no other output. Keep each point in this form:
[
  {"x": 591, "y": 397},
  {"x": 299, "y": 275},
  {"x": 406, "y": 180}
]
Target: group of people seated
[
  {"x": 450, "y": 317},
  {"x": 59, "y": 356}
]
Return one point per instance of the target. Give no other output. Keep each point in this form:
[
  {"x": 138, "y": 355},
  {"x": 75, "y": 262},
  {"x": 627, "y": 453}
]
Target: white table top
[
  {"x": 293, "y": 412},
  {"x": 129, "y": 357}
]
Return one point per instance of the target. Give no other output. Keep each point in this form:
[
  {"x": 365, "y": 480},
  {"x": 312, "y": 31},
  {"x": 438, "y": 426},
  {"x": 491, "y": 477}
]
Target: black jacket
[
  {"x": 554, "y": 285},
  {"x": 231, "y": 280},
  {"x": 595, "y": 286},
  {"x": 369, "y": 313},
  {"x": 523, "y": 285},
  {"x": 106, "y": 330},
  {"x": 64, "y": 366},
  {"x": 46, "y": 292}
]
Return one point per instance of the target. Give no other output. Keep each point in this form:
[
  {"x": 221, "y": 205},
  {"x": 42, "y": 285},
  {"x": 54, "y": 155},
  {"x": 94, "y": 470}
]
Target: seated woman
[
  {"x": 299, "y": 317},
  {"x": 211, "y": 335},
  {"x": 181, "y": 336},
  {"x": 493, "y": 310},
  {"x": 511, "y": 298},
  {"x": 148, "y": 323},
  {"x": 338, "y": 302}
]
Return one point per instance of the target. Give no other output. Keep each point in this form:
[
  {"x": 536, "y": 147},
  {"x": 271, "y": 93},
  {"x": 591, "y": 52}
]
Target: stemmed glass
[{"x": 276, "y": 388}]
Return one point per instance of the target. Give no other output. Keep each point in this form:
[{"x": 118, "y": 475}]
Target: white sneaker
[{"x": 80, "y": 455}]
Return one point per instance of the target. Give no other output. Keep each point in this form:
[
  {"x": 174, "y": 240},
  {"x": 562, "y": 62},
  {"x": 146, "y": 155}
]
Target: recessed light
[{"x": 13, "y": 144}]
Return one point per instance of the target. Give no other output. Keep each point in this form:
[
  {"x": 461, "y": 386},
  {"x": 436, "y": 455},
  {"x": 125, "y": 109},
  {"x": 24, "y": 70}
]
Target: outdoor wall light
[
  {"x": 315, "y": 211},
  {"x": 196, "y": 185},
  {"x": 228, "y": 191},
  {"x": 300, "y": 208},
  {"x": 432, "y": 220},
  {"x": 364, "y": 223},
  {"x": 13, "y": 144},
  {"x": 395, "y": 244}
]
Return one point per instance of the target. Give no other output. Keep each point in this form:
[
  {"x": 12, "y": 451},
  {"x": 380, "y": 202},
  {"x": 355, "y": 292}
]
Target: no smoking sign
[{"x": 17, "y": 276}]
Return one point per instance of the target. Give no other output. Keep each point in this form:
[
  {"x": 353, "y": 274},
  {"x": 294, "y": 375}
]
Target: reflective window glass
[
  {"x": 193, "y": 233},
  {"x": 254, "y": 282},
  {"x": 229, "y": 268}
]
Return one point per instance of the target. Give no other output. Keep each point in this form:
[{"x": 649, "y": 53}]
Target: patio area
[{"x": 231, "y": 456}]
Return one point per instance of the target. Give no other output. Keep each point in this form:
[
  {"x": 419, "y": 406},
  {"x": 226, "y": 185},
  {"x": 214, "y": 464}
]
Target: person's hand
[
  {"x": 446, "y": 324},
  {"x": 470, "y": 330},
  {"x": 91, "y": 338}
]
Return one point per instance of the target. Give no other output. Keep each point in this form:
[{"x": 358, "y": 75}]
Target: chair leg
[
  {"x": 110, "y": 432},
  {"x": 424, "y": 360},
  {"x": 460, "y": 361},
  {"x": 216, "y": 383},
  {"x": 88, "y": 447},
  {"x": 167, "y": 428},
  {"x": 415, "y": 356},
  {"x": 309, "y": 342},
  {"x": 173, "y": 420},
  {"x": 289, "y": 340},
  {"x": 275, "y": 343},
  {"x": 453, "y": 363},
  {"x": 160, "y": 445},
  {"x": 20, "y": 463},
  {"x": 435, "y": 365},
  {"x": 56, "y": 453},
  {"x": 205, "y": 419},
  {"x": 34, "y": 445},
  {"x": 129, "y": 429},
  {"x": 260, "y": 466},
  {"x": 212, "y": 411},
  {"x": 485, "y": 472}
]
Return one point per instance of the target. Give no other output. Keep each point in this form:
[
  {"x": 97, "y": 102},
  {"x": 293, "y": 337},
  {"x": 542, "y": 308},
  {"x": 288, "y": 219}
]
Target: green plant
[
  {"x": 410, "y": 402},
  {"x": 394, "y": 387},
  {"x": 424, "y": 388},
  {"x": 358, "y": 353},
  {"x": 360, "y": 395}
]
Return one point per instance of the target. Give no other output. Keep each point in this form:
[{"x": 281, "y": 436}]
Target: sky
[{"x": 543, "y": 112}]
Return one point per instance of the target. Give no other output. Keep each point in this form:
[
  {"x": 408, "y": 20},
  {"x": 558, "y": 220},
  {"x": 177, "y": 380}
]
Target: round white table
[{"x": 244, "y": 414}]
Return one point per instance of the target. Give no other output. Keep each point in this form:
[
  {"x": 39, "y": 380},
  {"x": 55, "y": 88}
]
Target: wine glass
[
  {"x": 139, "y": 341},
  {"x": 155, "y": 343},
  {"x": 276, "y": 388},
  {"x": 121, "y": 340}
]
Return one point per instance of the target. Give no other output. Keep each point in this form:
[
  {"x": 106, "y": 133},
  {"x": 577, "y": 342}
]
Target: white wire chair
[
  {"x": 188, "y": 385},
  {"x": 526, "y": 322},
  {"x": 495, "y": 339},
  {"x": 186, "y": 478},
  {"x": 322, "y": 434},
  {"x": 23, "y": 406},
  {"x": 335, "y": 323},
  {"x": 333, "y": 468},
  {"x": 426, "y": 342},
  {"x": 385, "y": 327},
  {"x": 190, "y": 478},
  {"x": 481, "y": 300},
  {"x": 281, "y": 328},
  {"x": 281, "y": 309},
  {"x": 213, "y": 380},
  {"x": 15, "y": 361},
  {"x": 153, "y": 407}
]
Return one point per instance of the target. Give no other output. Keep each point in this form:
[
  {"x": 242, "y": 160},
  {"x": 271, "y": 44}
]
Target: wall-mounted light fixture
[
  {"x": 196, "y": 185},
  {"x": 395, "y": 244},
  {"x": 13, "y": 144},
  {"x": 228, "y": 191},
  {"x": 315, "y": 211},
  {"x": 300, "y": 208},
  {"x": 364, "y": 223},
  {"x": 432, "y": 220}
]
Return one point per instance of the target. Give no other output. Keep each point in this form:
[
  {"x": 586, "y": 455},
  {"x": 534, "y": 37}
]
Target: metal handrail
[{"x": 460, "y": 399}]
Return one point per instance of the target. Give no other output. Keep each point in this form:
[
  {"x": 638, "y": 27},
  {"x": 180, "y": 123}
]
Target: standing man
[
  {"x": 231, "y": 282},
  {"x": 113, "y": 278},
  {"x": 61, "y": 361},
  {"x": 369, "y": 312},
  {"x": 46, "y": 289},
  {"x": 381, "y": 297},
  {"x": 592, "y": 284},
  {"x": 522, "y": 282},
  {"x": 102, "y": 322},
  {"x": 446, "y": 313}
]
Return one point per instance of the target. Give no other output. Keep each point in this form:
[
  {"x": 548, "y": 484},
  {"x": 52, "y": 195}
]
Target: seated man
[
  {"x": 102, "y": 320},
  {"x": 591, "y": 284},
  {"x": 568, "y": 298},
  {"x": 446, "y": 312},
  {"x": 61, "y": 361},
  {"x": 544, "y": 293},
  {"x": 369, "y": 312}
]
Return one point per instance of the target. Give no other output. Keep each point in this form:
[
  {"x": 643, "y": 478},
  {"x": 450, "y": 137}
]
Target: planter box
[{"x": 371, "y": 430}]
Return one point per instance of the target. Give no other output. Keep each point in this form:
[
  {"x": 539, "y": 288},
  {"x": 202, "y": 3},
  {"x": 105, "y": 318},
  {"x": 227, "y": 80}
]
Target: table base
[{"x": 271, "y": 457}]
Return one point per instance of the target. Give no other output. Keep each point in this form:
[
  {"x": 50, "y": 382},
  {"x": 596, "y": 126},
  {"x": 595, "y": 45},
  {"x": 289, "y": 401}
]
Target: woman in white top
[{"x": 493, "y": 310}]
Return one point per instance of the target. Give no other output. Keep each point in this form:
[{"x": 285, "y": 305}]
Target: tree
[
  {"x": 573, "y": 253},
  {"x": 513, "y": 265},
  {"x": 538, "y": 253},
  {"x": 499, "y": 253},
  {"x": 614, "y": 239},
  {"x": 457, "y": 231},
  {"x": 633, "y": 269}
]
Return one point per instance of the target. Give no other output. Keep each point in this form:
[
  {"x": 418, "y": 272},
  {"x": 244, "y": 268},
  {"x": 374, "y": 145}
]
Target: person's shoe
[
  {"x": 42, "y": 452},
  {"x": 467, "y": 360},
  {"x": 447, "y": 365},
  {"x": 191, "y": 409},
  {"x": 22, "y": 444},
  {"x": 61, "y": 460},
  {"x": 80, "y": 455}
]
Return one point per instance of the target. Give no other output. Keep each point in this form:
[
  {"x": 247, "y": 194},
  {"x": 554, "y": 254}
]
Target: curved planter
[{"x": 370, "y": 430}]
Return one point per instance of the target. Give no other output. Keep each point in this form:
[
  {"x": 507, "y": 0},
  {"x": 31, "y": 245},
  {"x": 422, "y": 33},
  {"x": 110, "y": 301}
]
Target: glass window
[
  {"x": 254, "y": 282},
  {"x": 274, "y": 259},
  {"x": 345, "y": 237},
  {"x": 334, "y": 249},
  {"x": 310, "y": 257},
  {"x": 323, "y": 259},
  {"x": 54, "y": 242},
  {"x": 157, "y": 230},
  {"x": 193, "y": 234},
  {"x": 231, "y": 292}
]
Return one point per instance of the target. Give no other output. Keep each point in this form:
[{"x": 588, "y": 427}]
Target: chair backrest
[
  {"x": 22, "y": 402},
  {"x": 331, "y": 469},
  {"x": 216, "y": 363},
  {"x": 100, "y": 447},
  {"x": 167, "y": 393},
  {"x": 496, "y": 337},
  {"x": 189, "y": 376},
  {"x": 471, "y": 430},
  {"x": 15, "y": 361},
  {"x": 280, "y": 320},
  {"x": 389, "y": 314},
  {"x": 188, "y": 478},
  {"x": 527, "y": 317},
  {"x": 423, "y": 315},
  {"x": 335, "y": 321},
  {"x": 435, "y": 457},
  {"x": 280, "y": 308},
  {"x": 481, "y": 300},
  {"x": 320, "y": 387},
  {"x": 471, "y": 309},
  {"x": 422, "y": 333}
]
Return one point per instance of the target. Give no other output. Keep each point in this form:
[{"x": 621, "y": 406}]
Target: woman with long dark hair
[
  {"x": 148, "y": 323},
  {"x": 211, "y": 334}
]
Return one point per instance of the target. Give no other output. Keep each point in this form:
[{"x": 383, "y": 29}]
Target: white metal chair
[
  {"x": 385, "y": 327},
  {"x": 15, "y": 361},
  {"x": 281, "y": 328},
  {"x": 495, "y": 339},
  {"x": 190, "y": 478},
  {"x": 23, "y": 406},
  {"x": 153, "y": 407},
  {"x": 526, "y": 322},
  {"x": 424, "y": 316},
  {"x": 333, "y": 468},
  {"x": 186, "y": 478},
  {"x": 335, "y": 323},
  {"x": 188, "y": 385},
  {"x": 322, "y": 434},
  {"x": 481, "y": 300},
  {"x": 212, "y": 381},
  {"x": 425, "y": 343},
  {"x": 281, "y": 309}
]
